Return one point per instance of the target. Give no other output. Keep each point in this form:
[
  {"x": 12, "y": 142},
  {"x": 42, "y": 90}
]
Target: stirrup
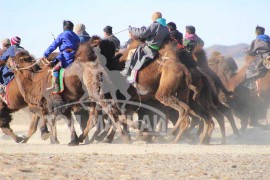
[
  {"x": 56, "y": 90},
  {"x": 132, "y": 78}
]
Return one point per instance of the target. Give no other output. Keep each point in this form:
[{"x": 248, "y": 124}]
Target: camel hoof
[
  {"x": 55, "y": 141},
  {"x": 101, "y": 136},
  {"x": 72, "y": 143},
  {"x": 19, "y": 139},
  {"x": 170, "y": 138},
  {"x": 107, "y": 140},
  {"x": 25, "y": 139},
  {"x": 45, "y": 136},
  {"x": 126, "y": 139},
  {"x": 223, "y": 143},
  {"x": 81, "y": 138},
  {"x": 174, "y": 141}
]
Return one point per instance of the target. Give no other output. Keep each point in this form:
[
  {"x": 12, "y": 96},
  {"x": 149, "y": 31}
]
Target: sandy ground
[{"x": 245, "y": 157}]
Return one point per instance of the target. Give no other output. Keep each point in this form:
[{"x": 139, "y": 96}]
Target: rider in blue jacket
[
  {"x": 7, "y": 74},
  {"x": 68, "y": 43}
]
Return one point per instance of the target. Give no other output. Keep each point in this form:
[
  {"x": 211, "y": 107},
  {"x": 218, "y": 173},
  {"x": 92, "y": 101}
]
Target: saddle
[{"x": 4, "y": 93}]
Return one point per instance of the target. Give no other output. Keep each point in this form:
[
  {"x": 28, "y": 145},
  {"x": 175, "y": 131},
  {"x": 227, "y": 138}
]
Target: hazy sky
[{"x": 225, "y": 22}]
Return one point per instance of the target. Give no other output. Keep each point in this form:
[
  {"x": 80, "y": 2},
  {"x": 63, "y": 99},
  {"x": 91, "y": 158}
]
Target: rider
[
  {"x": 109, "y": 35},
  {"x": 260, "y": 48},
  {"x": 68, "y": 43},
  {"x": 6, "y": 74},
  {"x": 5, "y": 45},
  {"x": 191, "y": 40},
  {"x": 176, "y": 36},
  {"x": 125, "y": 46},
  {"x": 80, "y": 31},
  {"x": 155, "y": 35}
]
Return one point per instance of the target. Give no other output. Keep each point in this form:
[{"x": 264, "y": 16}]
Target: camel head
[
  {"x": 199, "y": 56},
  {"x": 21, "y": 60},
  {"x": 85, "y": 53},
  {"x": 95, "y": 41}
]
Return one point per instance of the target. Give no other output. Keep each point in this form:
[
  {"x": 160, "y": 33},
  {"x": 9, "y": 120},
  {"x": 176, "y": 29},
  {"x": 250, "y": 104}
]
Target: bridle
[{"x": 16, "y": 66}]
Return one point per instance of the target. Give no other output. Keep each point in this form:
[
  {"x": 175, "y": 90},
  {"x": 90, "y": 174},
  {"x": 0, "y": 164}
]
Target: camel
[
  {"x": 169, "y": 78},
  {"x": 247, "y": 105},
  {"x": 17, "y": 102},
  {"x": 220, "y": 110},
  {"x": 33, "y": 85},
  {"x": 244, "y": 105}
]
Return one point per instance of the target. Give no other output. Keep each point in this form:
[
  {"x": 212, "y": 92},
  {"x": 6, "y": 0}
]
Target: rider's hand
[{"x": 51, "y": 64}]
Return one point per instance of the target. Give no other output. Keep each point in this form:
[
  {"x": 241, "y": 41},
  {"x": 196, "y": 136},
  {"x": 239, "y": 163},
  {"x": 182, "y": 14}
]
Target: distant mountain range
[{"x": 235, "y": 51}]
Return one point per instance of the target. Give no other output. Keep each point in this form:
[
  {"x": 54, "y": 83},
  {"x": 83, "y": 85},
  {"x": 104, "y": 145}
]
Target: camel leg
[
  {"x": 100, "y": 136},
  {"x": 200, "y": 130},
  {"x": 45, "y": 134},
  {"x": 183, "y": 126},
  {"x": 244, "y": 123},
  {"x": 207, "y": 121},
  {"x": 90, "y": 124},
  {"x": 110, "y": 135},
  {"x": 81, "y": 117},
  {"x": 33, "y": 127},
  {"x": 207, "y": 131},
  {"x": 210, "y": 131},
  {"x": 177, "y": 125},
  {"x": 181, "y": 107},
  {"x": 113, "y": 114},
  {"x": 5, "y": 119},
  {"x": 194, "y": 122},
  {"x": 229, "y": 115},
  {"x": 53, "y": 132},
  {"x": 8, "y": 131},
  {"x": 204, "y": 135},
  {"x": 70, "y": 122},
  {"x": 220, "y": 119}
]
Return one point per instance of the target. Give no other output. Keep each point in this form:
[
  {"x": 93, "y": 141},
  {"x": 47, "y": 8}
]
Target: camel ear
[
  {"x": 21, "y": 58},
  {"x": 93, "y": 57}
]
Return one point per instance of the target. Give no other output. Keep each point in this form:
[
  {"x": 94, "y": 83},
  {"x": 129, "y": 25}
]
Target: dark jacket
[
  {"x": 177, "y": 37},
  {"x": 84, "y": 36},
  {"x": 115, "y": 40},
  {"x": 155, "y": 34},
  {"x": 259, "y": 46}
]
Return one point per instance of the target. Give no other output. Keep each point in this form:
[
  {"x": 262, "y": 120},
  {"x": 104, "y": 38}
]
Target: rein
[
  {"x": 119, "y": 32},
  {"x": 37, "y": 61}
]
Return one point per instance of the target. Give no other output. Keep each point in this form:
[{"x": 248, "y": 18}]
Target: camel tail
[{"x": 208, "y": 92}]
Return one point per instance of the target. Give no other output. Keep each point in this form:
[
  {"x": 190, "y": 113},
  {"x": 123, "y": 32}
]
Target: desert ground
[{"x": 244, "y": 157}]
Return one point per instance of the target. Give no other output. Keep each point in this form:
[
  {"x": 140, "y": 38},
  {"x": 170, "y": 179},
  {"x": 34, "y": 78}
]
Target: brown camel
[
  {"x": 218, "y": 87},
  {"x": 250, "y": 105},
  {"x": 33, "y": 87},
  {"x": 225, "y": 68},
  {"x": 170, "y": 76},
  {"x": 16, "y": 102}
]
